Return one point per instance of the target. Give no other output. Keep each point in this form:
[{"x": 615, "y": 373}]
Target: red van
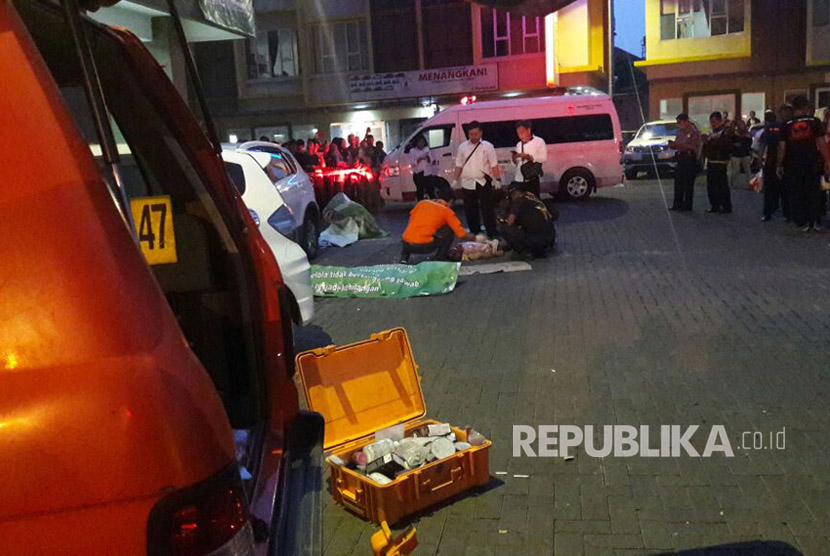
[{"x": 143, "y": 409}]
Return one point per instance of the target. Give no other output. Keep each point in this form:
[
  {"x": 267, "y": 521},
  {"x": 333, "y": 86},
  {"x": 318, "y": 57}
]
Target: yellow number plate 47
[{"x": 153, "y": 218}]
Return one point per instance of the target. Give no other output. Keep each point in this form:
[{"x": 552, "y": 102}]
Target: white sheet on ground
[{"x": 492, "y": 268}]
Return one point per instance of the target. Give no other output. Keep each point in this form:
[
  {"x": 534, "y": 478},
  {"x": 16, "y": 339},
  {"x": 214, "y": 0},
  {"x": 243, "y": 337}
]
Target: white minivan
[{"x": 581, "y": 129}]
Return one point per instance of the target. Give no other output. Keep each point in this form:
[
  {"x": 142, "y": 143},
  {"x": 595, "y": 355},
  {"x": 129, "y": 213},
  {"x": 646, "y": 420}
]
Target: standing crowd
[
  {"x": 318, "y": 152},
  {"x": 514, "y": 216},
  {"x": 795, "y": 155}
]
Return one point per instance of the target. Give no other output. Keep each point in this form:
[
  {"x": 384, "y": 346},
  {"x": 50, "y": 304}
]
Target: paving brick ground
[{"x": 646, "y": 318}]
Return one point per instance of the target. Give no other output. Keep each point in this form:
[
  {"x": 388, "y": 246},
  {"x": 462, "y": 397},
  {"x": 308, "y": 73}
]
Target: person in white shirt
[
  {"x": 421, "y": 162},
  {"x": 530, "y": 149},
  {"x": 476, "y": 166}
]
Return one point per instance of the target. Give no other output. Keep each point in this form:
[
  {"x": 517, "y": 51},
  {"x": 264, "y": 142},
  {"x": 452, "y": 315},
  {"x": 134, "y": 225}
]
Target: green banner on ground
[{"x": 386, "y": 280}]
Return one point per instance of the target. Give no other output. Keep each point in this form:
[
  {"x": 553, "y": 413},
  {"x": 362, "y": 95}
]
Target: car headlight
[
  {"x": 282, "y": 221},
  {"x": 629, "y": 150}
]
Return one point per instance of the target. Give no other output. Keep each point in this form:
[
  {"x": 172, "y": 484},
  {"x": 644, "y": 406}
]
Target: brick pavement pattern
[{"x": 643, "y": 317}]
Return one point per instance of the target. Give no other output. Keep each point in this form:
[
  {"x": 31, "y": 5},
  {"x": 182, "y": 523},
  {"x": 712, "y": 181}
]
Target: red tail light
[
  {"x": 621, "y": 147},
  {"x": 208, "y": 518}
]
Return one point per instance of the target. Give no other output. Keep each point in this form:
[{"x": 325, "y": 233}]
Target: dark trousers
[
  {"x": 424, "y": 186},
  {"x": 805, "y": 197},
  {"x": 523, "y": 241},
  {"x": 774, "y": 194},
  {"x": 717, "y": 187},
  {"x": 684, "y": 183},
  {"x": 440, "y": 245},
  {"x": 532, "y": 186},
  {"x": 480, "y": 200}
]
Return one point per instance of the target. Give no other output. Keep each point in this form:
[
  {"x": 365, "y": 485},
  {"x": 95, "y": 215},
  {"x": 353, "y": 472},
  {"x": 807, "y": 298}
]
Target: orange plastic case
[{"x": 367, "y": 386}]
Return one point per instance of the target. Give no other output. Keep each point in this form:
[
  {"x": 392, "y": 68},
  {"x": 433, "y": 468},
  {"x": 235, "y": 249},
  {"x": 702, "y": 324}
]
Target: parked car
[
  {"x": 581, "y": 129},
  {"x": 649, "y": 151},
  {"x": 121, "y": 384},
  {"x": 247, "y": 171},
  {"x": 297, "y": 192}
]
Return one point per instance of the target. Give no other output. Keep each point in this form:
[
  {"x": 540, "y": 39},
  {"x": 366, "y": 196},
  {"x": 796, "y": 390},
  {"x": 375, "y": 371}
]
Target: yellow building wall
[
  {"x": 580, "y": 32},
  {"x": 736, "y": 45}
]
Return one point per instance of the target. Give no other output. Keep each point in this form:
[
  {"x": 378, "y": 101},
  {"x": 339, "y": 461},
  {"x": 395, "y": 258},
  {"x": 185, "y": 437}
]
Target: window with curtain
[
  {"x": 341, "y": 47},
  {"x": 273, "y": 54},
  {"x": 683, "y": 19},
  {"x": 506, "y": 34}
]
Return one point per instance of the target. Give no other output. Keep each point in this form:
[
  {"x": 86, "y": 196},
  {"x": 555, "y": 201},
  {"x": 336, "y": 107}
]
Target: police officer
[
  {"x": 687, "y": 146},
  {"x": 717, "y": 152}
]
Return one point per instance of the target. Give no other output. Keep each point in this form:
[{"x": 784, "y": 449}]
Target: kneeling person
[
  {"x": 528, "y": 228},
  {"x": 432, "y": 225}
]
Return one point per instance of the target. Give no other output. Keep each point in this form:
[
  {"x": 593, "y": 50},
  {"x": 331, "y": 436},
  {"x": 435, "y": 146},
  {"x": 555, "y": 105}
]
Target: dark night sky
[{"x": 630, "y": 16}]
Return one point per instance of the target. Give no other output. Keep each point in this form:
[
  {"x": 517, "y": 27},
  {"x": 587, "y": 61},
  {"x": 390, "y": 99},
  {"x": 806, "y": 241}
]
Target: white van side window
[
  {"x": 436, "y": 136},
  {"x": 565, "y": 129}
]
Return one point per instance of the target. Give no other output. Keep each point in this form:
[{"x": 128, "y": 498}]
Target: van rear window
[{"x": 567, "y": 129}]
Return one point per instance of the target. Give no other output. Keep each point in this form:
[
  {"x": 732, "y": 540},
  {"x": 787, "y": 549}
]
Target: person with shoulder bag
[
  {"x": 528, "y": 157},
  {"x": 476, "y": 166}
]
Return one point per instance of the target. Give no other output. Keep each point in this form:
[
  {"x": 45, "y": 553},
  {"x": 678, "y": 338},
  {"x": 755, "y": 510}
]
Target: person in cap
[
  {"x": 687, "y": 146},
  {"x": 432, "y": 228},
  {"x": 528, "y": 227}
]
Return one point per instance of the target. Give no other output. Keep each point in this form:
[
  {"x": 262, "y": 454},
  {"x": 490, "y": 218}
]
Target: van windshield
[
  {"x": 650, "y": 131},
  {"x": 205, "y": 284}
]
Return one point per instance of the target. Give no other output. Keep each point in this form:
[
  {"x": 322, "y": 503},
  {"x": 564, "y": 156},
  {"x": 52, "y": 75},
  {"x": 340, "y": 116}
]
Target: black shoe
[
  {"x": 713, "y": 210},
  {"x": 686, "y": 209},
  {"x": 766, "y": 218}
]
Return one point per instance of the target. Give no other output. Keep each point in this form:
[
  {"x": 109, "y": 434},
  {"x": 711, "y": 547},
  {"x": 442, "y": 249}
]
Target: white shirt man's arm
[
  {"x": 540, "y": 150},
  {"x": 459, "y": 162},
  {"x": 492, "y": 161}
]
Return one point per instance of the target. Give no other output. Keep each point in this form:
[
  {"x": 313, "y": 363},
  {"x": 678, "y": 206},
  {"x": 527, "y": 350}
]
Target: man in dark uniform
[
  {"x": 528, "y": 228},
  {"x": 773, "y": 194},
  {"x": 801, "y": 158},
  {"x": 717, "y": 152},
  {"x": 687, "y": 146}
]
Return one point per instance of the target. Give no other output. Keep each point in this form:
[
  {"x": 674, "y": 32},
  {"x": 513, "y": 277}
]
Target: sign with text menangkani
[{"x": 425, "y": 83}]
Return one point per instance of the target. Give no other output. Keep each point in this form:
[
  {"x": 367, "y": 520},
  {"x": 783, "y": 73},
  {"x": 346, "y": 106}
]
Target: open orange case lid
[{"x": 362, "y": 387}]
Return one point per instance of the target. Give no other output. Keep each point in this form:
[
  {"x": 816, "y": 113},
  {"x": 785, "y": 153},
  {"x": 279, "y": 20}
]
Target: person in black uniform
[
  {"x": 528, "y": 228},
  {"x": 801, "y": 158},
  {"x": 717, "y": 150},
  {"x": 773, "y": 192}
]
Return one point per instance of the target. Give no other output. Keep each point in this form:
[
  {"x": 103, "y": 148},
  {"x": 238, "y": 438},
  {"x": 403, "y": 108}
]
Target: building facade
[
  {"x": 202, "y": 20},
  {"x": 342, "y": 66},
  {"x": 735, "y": 55}
]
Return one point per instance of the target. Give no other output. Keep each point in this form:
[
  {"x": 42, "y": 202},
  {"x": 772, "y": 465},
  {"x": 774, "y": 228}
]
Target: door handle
[{"x": 446, "y": 155}]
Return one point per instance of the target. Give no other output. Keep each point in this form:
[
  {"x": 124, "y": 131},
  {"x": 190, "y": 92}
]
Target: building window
[
  {"x": 503, "y": 34},
  {"x": 341, "y": 47},
  {"x": 273, "y": 54},
  {"x": 753, "y": 102},
  {"x": 821, "y": 13},
  {"x": 701, "y": 107},
  {"x": 670, "y": 108},
  {"x": 684, "y": 19}
]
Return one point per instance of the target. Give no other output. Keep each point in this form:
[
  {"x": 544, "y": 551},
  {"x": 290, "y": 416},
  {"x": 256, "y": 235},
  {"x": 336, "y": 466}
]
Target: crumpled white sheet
[{"x": 340, "y": 234}]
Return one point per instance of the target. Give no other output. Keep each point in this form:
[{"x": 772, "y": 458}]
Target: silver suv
[{"x": 649, "y": 150}]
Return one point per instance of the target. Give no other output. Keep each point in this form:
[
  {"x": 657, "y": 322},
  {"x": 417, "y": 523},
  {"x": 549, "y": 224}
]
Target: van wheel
[
  {"x": 310, "y": 235},
  {"x": 631, "y": 174},
  {"x": 577, "y": 184}
]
